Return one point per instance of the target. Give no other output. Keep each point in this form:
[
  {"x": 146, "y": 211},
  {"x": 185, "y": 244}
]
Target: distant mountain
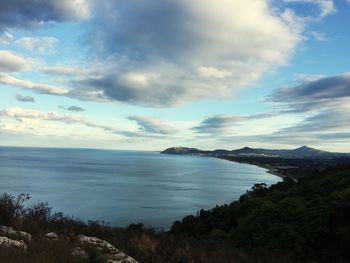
[
  {"x": 183, "y": 150},
  {"x": 304, "y": 151},
  {"x": 307, "y": 151}
]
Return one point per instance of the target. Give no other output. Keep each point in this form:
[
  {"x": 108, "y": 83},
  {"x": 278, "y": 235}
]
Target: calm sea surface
[{"x": 122, "y": 187}]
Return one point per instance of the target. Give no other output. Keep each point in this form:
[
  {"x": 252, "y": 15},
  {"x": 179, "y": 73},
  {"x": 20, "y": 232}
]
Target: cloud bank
[{"x": 164, "y": 53}]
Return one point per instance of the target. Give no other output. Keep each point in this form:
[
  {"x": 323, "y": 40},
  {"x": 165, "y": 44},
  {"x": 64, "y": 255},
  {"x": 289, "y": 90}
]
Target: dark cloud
[
  {"x": 315, "y": 95},
  {"x": 21, "y": 98},
  {"x": 143, "y": 29},
  {"x": 29, "y": 13},
  {"x": 131, "y": 89},
  {"x": 72, "y": 108}
]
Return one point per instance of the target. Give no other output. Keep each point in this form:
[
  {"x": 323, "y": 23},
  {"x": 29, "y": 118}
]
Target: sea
[{"x": 123, "y": 187}]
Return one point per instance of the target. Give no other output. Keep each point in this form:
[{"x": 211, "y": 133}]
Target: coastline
[
  {"x": 279, "y": 171},
  {"x": 268, "y": 169}
]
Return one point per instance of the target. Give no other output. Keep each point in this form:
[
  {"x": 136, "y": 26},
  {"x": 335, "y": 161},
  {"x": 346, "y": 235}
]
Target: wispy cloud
[
  {"x": 319, "y": 36},
  {"x": 152, "y": 125},
  {"x": 326, "y": 7},
  {"x": 20, "y": 113},
  {"x": 223, "y": 124},
  {"x": 6, "y": 38},
  {"x": 9, "y": 80},
  {"x": 30, "y": 118},
  {"x": 43, "y": 45},
  {"x": 64, "y": 71}
]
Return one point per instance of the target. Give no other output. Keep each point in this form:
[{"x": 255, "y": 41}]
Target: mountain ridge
[{"x": 303, "y": 151}]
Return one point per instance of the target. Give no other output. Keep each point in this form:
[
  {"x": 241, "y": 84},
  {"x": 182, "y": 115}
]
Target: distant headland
[{"x": 294, "y": 163}]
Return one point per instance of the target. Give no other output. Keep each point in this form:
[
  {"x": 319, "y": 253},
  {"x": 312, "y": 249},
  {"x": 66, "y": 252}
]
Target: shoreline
[
  {"x": 268, "y": 169},
  {"x": 271, "y": 170}
]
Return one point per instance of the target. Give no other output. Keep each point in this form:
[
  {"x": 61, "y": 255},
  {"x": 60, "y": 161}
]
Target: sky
[{"x": 147, "y": 75}]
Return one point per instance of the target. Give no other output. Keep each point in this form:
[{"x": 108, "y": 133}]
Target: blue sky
[{"x": 154, "y": 74}]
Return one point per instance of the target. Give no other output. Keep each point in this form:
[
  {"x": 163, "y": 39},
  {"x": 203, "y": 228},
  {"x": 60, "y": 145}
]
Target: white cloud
[
  {"x": 212, "y": 72},
  {"x": 40, "y": 44},
  {"x": 10, "y": 62}
]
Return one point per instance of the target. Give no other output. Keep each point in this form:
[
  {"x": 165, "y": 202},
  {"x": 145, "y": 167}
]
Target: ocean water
[{"x": 123, "y": 187}]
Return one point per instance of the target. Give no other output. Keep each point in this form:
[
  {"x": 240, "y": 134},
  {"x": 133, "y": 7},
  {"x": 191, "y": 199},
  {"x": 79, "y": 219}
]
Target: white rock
[
  {"x": 11, "y": 233},
  {"x": 95, "y": 242},
  {"x": 10, "y": 243},
  {"x": 112, "y": 254}
]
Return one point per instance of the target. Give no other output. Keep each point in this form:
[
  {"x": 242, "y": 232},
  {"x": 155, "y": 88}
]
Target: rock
[
  {"x": 96, "y": 243},
  {"x": 108, "y": 251},
  {"x": 51, "y": 236},
  {"x": 11, "y": 233},
  {"x": 10, "y": 243}
]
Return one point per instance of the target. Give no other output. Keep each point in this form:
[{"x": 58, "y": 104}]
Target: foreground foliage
[{"x": 145, "y": 245}]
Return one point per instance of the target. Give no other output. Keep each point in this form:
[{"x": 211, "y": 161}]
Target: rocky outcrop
[
  {"x": 12, "y": 244},
  {"x": 107, "y": 250},
  {"x": 13, "y": 239},
  {"x": 9, "y": 232}
]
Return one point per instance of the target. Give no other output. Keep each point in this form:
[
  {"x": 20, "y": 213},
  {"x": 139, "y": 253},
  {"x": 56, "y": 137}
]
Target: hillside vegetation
[{"x": 309, "y": 220}]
